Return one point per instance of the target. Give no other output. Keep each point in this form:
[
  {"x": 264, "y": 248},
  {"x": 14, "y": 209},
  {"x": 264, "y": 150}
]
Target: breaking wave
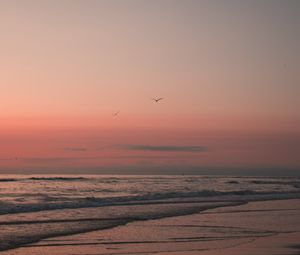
[
  {"x": 151, "y": 198},
  {"x": 36, "y": 207}
]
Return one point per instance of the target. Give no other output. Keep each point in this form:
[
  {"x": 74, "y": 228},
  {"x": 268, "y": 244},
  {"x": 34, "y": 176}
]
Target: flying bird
[
  {"x": 116, "y": 113},
  {"x": 157, "y": 99}
]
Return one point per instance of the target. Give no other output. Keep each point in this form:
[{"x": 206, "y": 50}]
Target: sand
[{"x": 269, "y": 227}]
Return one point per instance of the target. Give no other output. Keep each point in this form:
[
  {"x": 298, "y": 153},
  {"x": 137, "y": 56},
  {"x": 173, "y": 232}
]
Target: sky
[{"x": 228, "y": 72}]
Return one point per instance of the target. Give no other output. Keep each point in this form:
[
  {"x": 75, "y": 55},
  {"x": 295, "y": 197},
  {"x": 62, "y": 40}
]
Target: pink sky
[{"x": 229, "y": 73}]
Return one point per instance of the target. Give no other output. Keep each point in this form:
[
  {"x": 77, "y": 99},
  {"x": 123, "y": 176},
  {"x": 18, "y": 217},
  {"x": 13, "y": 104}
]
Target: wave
[
  {"x": 208, "y": 193},
  {"x": 295, "y": 184},
  {"x": 39, "y": 229},
  {"x": 8, "y": 180},
  {"x": 150, "y": 198},
  {"x": 57, "y": 178},
  {"x": 232, "y": 182},
  {"x": 44, "y": 179},
  {"x": 12, "y": 242}
]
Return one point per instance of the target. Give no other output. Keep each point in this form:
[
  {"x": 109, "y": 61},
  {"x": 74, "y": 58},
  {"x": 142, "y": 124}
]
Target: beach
[
  {"x": 268, "y": 227},
  {"x": 40, "y": 216},
  {"x": 134, "y": 127}
]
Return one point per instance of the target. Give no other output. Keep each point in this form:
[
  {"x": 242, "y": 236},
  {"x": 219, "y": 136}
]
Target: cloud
[
  {"x": 72, "y": 159},
  {"x": 15, "y": 158},
  {"x": 75, "y": 149},
  {"x": 167, "y": 148}
]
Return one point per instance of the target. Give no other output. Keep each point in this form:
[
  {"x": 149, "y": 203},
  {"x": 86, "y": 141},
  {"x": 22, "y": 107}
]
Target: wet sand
[{"x": 269, "y": 227}]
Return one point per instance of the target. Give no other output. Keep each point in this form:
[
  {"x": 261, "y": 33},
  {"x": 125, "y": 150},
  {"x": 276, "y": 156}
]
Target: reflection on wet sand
[{"x": 253, "y": 228}]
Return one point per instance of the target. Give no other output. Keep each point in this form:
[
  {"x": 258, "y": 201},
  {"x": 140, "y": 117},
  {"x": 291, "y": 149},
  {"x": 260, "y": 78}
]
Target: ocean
[{"x": 36, "y": 207}]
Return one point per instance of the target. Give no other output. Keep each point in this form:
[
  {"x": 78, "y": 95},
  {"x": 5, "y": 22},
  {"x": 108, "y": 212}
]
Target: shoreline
[
  {"x": 211, "y": 222},
  {"x": 185, "y": 209}
]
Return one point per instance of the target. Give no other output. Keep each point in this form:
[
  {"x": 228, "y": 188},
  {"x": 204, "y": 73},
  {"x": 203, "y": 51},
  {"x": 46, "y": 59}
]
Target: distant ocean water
[{"x": 40, "y": 206}]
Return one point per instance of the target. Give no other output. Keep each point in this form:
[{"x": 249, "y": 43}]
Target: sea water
[{"x": 35, "y": 207}]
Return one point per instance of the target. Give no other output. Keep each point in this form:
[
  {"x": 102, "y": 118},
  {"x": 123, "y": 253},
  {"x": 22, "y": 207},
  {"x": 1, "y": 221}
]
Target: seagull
[
  {"x": 157, "y": 99},
  {"x": 116, "y": 113}
]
